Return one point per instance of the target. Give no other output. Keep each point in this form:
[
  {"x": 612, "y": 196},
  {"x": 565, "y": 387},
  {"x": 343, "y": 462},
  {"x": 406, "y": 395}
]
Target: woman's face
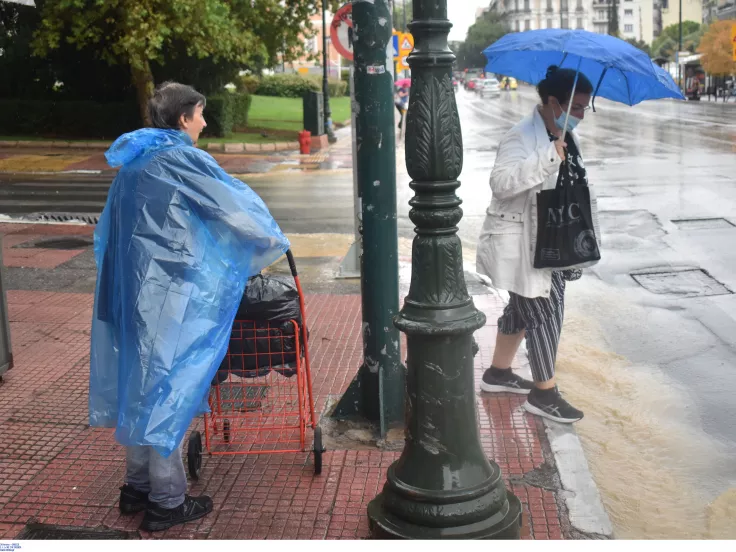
[
  {"x": 195, "y": 125},
  {"x": 580, "y": 104}
]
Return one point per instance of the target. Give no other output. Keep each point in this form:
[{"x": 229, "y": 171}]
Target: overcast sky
[{"x": 462, "y": 15}]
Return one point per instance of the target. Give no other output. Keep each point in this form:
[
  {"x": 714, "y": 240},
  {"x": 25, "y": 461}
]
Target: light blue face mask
[{"x": 572, "y": 121}]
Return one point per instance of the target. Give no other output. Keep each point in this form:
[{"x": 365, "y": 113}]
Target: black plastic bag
[
  {"x": 565, "y": 232},
  {"x": 270, "y": 298}
]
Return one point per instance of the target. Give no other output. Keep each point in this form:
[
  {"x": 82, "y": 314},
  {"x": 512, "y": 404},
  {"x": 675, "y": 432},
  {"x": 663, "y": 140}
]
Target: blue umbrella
[{"x": 623, "y": 73}]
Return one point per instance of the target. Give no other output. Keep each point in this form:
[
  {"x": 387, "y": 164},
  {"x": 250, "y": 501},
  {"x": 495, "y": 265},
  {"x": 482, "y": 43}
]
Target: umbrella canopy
[
  {"x": 403, "y": 83},
  {"x": 619, "y": 71}
]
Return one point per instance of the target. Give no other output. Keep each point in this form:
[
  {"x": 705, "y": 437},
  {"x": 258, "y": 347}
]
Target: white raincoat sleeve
[{"x": 517, "y": 171}]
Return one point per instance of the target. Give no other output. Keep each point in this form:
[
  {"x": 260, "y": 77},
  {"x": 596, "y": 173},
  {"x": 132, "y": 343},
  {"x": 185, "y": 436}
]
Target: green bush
[
  {"x": 338, "y": 88},
  {"x": 241, "y": 106},
  {"x": 287, "y": 86},
  {"x": 220, "y": 114},
  {"x": 68, "y": 119},
  {"x": 248, "y": 83}
]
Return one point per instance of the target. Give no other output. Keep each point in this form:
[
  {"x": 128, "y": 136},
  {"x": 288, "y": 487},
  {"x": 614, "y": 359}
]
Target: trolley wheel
[
  {"x": 226, "y": 430},
  {"x": 194, "y": 454},
  {"x": 318, "y": 450}
]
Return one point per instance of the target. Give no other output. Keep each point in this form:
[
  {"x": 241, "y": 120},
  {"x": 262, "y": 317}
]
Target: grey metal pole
[{"x": 325, "y": 81}]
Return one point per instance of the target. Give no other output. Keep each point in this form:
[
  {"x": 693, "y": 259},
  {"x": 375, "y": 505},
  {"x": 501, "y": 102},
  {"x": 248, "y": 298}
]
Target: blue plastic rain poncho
[{"x": 175, "y": 245}]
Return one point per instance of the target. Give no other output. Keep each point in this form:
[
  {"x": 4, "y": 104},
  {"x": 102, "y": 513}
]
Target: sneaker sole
[
  {"x": 539, "y": 412},
  {"x": 129, "y": 510},
  {"x": 488, "y": 388},
  {"x": 163, "y": 525}
]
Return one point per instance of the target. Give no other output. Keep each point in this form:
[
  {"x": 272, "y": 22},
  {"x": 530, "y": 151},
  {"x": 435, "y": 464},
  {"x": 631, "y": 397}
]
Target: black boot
[{"x": 160, "y": 519}]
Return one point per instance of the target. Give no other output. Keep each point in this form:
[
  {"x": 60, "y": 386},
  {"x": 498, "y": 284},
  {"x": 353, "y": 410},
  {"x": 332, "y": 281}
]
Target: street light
[
  {"x": 325, "y": 81},
  {"x": 443, "y": 486}
]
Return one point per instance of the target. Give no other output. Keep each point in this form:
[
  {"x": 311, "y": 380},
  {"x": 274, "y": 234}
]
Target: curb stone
[{"x": 234, "y": 147}]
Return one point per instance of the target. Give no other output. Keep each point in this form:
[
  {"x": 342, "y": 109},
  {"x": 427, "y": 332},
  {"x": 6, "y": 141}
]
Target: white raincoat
[{"x": 527, "y": 163}]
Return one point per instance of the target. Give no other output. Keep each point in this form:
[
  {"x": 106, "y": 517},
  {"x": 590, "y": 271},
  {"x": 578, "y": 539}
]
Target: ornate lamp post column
[{"x": 443, "y": 486}]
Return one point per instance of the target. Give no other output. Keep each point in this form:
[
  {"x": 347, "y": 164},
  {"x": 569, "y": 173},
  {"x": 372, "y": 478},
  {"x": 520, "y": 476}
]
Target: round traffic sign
[{"x": 341, "y": 31}]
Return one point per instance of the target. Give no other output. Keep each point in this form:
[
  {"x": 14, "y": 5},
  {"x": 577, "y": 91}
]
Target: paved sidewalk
[{"x": 54, "y": 469}]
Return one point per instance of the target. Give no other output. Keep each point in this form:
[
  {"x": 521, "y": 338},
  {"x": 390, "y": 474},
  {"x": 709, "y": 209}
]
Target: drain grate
[
  {"x": 42, "y": 531},
  {"x": 703, "y": 224},
  {"x": 63, "y": 244},
  {"x": 87, "y": 218},
  {"x": 694, "y": 282}
]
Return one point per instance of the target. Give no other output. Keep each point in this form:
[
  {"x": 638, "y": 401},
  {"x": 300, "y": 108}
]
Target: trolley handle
[{"x": 292, "y": 264}]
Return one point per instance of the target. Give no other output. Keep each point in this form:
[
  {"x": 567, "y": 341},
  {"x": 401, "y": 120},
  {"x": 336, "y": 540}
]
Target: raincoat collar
[{"x": 144, "y": 141}]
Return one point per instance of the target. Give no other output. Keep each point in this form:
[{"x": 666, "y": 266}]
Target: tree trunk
[{"x": 143, "y": 82}]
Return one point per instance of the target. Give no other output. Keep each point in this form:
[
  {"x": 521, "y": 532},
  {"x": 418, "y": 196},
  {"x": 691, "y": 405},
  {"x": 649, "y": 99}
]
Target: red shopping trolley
[{"x": 261, "y": 400}]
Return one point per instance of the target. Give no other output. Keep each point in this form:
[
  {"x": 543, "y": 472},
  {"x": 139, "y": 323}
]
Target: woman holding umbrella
[
  {"x": 529, "y": 159},
  {"x": 537, "y": 160}
]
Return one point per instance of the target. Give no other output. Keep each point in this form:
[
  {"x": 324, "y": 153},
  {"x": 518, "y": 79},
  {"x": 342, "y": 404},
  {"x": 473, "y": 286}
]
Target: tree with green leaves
[
  {"x": 139, "y": 33},
  {"x": 401, "y": 8},
  {"x": 613, "y": 25},
  {"x": 666, "y": 44},
  {"x": 485, "y": 31}
]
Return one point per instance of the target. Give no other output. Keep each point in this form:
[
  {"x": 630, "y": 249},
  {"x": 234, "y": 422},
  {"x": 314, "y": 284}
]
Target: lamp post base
[{"x": 504, "y": 525}]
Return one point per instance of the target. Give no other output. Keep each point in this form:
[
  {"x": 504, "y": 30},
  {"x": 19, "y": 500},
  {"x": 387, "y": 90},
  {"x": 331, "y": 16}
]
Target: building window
[
  {"x": 580, "y": 22},
  {"x": 628, "y": 13},
  {"x": 516, "y": 25},
  {"x": 549, "y": 5},
  {"x": 628, "y": 28},
  {"x": 516, "y": 5},
  {"x": 527, "y": 25},
  {"x": 526, "y": 5},
  {"x": 563, "y": 5},
  {"x": 564, "y": 23},
  {"x": 550, "y": 25}
]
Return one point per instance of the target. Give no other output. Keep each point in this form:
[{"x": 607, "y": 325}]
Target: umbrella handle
[{"x": 569, "y": 103}]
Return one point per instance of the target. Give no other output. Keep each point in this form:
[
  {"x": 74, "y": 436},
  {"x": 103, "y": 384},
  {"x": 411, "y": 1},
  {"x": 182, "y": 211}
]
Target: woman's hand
[{"x": 560, "y": 146}]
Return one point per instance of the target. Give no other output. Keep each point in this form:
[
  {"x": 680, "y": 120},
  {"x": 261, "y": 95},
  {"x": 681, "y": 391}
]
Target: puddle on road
[{"x": 646, "y": 460}]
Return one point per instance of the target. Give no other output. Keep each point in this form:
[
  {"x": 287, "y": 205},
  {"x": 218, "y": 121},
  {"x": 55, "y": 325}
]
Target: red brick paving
[
  {"x": 36, "y": 257},
  {"x": 56, "y": 470}
]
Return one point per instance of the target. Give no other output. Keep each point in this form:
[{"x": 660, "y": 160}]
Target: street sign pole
[
  {"x": 325, "y": 80},
  {"x": 443, "y": 486},
  {"x": 377, "y": 392}
]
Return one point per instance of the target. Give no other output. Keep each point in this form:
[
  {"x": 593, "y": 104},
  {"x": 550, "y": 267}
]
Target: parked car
[{"x": 488, "y": 88}]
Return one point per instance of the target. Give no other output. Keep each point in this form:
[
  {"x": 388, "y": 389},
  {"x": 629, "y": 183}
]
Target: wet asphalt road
[{"x": 665, "y": 174}]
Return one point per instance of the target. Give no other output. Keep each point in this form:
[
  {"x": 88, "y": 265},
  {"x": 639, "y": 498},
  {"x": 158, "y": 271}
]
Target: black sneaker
[
  {"x": 160, "y": 519},
  {"x": 550, "y": 404},
  {"x": 504, "y": 381},
  {"x": 132, "y": 501}
]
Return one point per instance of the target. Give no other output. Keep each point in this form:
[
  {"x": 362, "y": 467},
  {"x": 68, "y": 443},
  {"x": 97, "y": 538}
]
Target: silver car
[{"x": 489, "y": 88}]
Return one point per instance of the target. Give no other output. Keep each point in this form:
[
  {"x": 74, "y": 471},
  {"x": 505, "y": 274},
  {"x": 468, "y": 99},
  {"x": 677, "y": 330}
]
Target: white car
[{"x": 489, "y": 88}]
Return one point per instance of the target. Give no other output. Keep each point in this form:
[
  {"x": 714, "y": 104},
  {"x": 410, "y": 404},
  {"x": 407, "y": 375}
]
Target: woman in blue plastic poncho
[{"x": 175, "y": 245}]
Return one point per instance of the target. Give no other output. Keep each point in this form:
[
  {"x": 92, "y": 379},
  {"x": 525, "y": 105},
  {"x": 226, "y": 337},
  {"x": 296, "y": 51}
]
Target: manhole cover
[
  {"x": 58, "y": 243},
  {"x": 703, "y": 224},
  {"x": 681, "y": 283},
  {"x": 41, "y": 531}
]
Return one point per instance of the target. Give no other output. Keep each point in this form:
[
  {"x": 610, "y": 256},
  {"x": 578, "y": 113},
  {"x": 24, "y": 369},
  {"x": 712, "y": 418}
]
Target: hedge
[
  {"x": 68, "y": 119},
  {"x": 295, "y": 86},
  {"x": 225, "y": 112}
]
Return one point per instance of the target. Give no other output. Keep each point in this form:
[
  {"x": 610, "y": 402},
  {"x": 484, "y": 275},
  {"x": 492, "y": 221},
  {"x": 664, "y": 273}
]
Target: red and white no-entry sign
[{"x": 341, "y": 31}]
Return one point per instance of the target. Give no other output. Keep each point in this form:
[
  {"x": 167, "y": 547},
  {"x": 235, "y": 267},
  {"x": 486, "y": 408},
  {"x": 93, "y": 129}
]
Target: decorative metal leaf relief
[
  {"x": 434, "y": 143},
  {"x": 437, "y": 264}
]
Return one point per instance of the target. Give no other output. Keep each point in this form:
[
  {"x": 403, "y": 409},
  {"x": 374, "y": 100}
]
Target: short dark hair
[
  {"x": 558, "y": 83},
  {"x": 170, "y": 101}
]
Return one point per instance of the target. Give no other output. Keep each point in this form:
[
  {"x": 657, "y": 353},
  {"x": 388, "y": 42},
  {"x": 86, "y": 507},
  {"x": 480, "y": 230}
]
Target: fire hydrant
[{"x": 305, "y": 142}]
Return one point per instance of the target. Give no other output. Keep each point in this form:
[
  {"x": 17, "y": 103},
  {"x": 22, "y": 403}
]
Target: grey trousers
[{"x": 164, "y": 479}]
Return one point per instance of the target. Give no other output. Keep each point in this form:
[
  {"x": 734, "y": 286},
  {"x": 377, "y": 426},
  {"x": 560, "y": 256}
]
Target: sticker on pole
[{"x": 341, "y": 31}]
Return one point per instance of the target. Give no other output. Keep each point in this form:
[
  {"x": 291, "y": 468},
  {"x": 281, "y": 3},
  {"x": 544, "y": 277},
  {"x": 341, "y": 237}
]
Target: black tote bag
[{"x": 565, "y": 232}]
